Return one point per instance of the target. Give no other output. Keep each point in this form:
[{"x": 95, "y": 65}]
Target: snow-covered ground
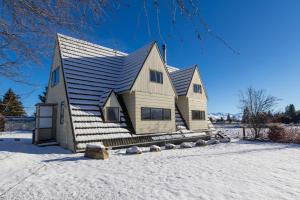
[{"x": 237, "y": 170}]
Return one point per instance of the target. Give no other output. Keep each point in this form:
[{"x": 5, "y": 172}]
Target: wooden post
[{"x": 244, "y": 133}]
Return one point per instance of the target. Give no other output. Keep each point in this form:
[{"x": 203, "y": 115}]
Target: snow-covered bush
[
  {"x": 155, "y": 148},
  {"x": 212, "y": 141},
  {"x": 186, "y": 145},
  {"x": 133, "y": 150},
  {"x": 170, "y": 146},
  {"x": 200, "y": 143},
  {"x": 225, "y": 139}
]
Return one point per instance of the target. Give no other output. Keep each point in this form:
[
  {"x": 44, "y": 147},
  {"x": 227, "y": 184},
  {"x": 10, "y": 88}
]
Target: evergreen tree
[
  {"x": 246, "y": 116},
  {"x": 1, "y": 106},
  {"x": 11, "y": 105},
  {"x": 42, "y": 96},
  {"x": 290, "y": 112},
  {"x": 228, "y": 118}
]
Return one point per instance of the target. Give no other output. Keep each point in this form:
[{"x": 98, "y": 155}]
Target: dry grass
[{"x": 279, "y": 133}]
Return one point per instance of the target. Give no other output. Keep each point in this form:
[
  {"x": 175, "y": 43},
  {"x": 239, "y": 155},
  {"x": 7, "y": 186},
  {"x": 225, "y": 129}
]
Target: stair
[
  {"x": 181, "y": 126},
  {"x": 213, "y": 131}
]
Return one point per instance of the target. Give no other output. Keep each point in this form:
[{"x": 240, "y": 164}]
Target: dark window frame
[
  {"x": 156, "y": 77},
  {"x": 55, "y": 77},
  {"x": 197, "y": 88},
  {"x": 163, "y": 117},
  {"x": 62, "y": 112},
  {"x": 198, "y": 115},
  {"x": 107, "y": 116}
]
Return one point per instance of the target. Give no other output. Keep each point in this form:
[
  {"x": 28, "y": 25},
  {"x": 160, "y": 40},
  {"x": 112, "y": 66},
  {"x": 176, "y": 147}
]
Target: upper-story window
[
  {"x": 197, "y": 88},
  {"x": 156, "y": 76},
  {"x": 55, "y": 77}
]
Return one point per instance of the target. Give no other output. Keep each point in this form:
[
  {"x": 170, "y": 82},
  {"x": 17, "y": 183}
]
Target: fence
[{"x": 18, "y": 123}]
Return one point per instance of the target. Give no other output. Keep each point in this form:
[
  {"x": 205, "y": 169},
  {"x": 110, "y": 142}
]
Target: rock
[
  {"x": 200, "y": 143},
  {"x": 186, "y": 145},
  {"x": 155, "y": 148},
  {"x": 225, "y": 140},
  {"x": 96, "y": 151},
  {"x": 212, "y": 141},
  {"x": 134, "y": 150},
  {"x": 170, "y": 146}
]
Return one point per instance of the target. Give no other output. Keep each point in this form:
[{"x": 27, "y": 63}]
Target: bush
[
  {"x": 281, "y": 134},
  {"x": 276, "y": 133}
]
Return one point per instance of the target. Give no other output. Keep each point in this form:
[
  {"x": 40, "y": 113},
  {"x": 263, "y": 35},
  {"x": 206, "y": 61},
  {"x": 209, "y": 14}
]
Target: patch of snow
[{"x": 226, "y": 171}]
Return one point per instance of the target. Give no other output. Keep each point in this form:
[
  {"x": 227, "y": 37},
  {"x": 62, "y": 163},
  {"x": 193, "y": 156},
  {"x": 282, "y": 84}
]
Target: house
[{"x": 101, "y": 95}]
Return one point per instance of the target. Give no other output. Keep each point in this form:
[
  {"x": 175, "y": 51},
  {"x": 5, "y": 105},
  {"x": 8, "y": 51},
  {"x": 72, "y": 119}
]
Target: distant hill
[{"x": 218, "y": 115}]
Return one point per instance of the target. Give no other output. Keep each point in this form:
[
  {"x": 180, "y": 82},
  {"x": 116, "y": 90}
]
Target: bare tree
[
  {"x": 258, "y": 104},
  {"x": 27, "y": 27}
]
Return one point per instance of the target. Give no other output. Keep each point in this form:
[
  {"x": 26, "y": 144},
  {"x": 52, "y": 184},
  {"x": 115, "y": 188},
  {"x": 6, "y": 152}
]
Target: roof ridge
[{"x": 59, "y": 35}]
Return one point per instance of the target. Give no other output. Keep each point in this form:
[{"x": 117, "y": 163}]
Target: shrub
[{"x": 276, "y": 133}]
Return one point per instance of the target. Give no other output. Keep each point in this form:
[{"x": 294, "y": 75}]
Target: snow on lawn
[{"x": 237, "y": 170}]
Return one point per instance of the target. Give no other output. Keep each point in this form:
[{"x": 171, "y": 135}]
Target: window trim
[
  {"x": 106, "y": 110},
  {"x": 156, "y": 76},
  {"x": 200, "y": 88},
  {"x": 62, "y": 113},
  {"x": 202, "y": 115},
  {"x": 55, "y": 77},
  {"x": 162, "y": 117}
]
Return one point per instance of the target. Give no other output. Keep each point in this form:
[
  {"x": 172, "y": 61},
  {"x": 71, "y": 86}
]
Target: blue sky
[{"x": 266, "y": 33}]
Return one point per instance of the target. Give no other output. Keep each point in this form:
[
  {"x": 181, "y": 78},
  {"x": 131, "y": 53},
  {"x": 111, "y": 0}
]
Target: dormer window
[
  {"x": 156, "y": 76},
  {"x": 197, "y": 88}
]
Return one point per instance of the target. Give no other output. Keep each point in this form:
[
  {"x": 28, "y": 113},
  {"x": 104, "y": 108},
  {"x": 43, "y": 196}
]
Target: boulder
[
  {"x": 200, "y": 143},
  {"x": 170, "y": 146},
  {"x": 134, "y": 150},
  {"x": 186, "y": 145},
  {"x": 212, "y": 141},
  {"x": 155, "y": 148},
  {"x": 96, "y": 151},
  {"x": 225, "y": 140}
]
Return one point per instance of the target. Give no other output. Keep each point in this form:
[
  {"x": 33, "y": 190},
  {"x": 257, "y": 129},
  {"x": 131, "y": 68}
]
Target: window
[
  {"x": 167, "y": 114},
  {"x": 146, "y": 113},
  {"x": 156, "y": 76},
  {"x": 198, "y": 115},
  {"x": 55, "y": 77},
  {"x": 155, "y": 114},
  {"x": 62, "y": 112},
  {"x": 112, "y": 114},
  {"x": 197, "y": 88}
]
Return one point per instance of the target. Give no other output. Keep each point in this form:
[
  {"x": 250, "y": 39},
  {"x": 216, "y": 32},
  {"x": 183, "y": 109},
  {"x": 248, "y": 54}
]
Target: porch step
[{"x": 45, "y": 144}]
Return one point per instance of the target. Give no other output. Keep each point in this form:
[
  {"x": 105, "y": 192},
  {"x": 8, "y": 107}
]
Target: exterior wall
[
  {"x": 197, "y": 101},
  {"x": 183, "y": 106},
  {"x": 144, "y": 99},
  {"x": 57, "y": 94},
  {"x": 112, "y": 101},
  {"x": 150, "y": 94},
  {"x": 129, "y": 100}
]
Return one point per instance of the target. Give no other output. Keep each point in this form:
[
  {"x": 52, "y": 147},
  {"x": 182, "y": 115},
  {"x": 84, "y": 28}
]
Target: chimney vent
[{"x": 164, "y": 49}]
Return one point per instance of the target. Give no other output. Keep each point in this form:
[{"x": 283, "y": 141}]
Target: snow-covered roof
[{"x": 182, "y": 78}]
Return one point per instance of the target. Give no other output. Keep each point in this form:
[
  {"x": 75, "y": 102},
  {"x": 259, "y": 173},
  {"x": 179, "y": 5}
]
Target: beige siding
[
  {"x": 112, "y": 101},
  {"x": 57, "y": 94},
  {"x": 129, "y": 100},
  {"x": 197, "y": 101},
  {"x": 143, "y": 83},
  {"x": 193, "y": 101},
  {"x": 143, "y": 99},
  {"x": 183, "y": 106},
  {"x": 145, "y": 93}
]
